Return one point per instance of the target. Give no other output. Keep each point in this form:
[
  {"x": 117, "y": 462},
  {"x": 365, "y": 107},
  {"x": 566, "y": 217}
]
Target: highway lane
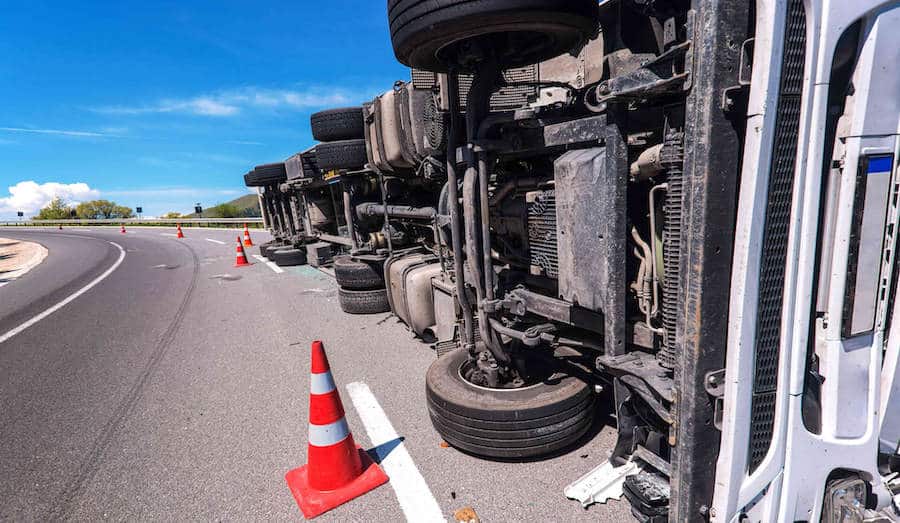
[{"x": 181, "y": 393}]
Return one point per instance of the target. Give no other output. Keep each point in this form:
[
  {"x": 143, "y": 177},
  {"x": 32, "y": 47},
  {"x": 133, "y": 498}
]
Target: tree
[
  {"x": 102, "y": 209},
  {"x": 57, "y": 209},
  {"x": 171, "y": 215},
  {"x": 224, "y": 210}
]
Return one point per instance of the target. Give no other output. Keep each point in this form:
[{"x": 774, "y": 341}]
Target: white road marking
[
  {"x": 271, "y": 265},
  {"x": 69, "y": 299},
  {"x": 412, "y": 492},
  {"x": 215, "y": 241},
  {"x": 167, "y": 234}
]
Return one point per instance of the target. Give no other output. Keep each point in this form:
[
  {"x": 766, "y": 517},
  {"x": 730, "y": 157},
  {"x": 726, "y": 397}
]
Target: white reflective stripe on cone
[
  {"x": 328, "y": 435},
  {"x": 321, "y": 383}
]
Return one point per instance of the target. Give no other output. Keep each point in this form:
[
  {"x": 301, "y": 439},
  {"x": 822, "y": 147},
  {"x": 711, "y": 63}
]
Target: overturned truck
[{"x": 683, "y": 213}]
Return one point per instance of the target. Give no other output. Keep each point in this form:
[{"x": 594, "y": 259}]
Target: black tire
[
  {"x": 288, "y": 257},
  {"x": 343, "y": 154},
  {"x": 357, "y": 274},
  {"x": 338, "y": 124},
  {"x": 268, "y": 174},
  {"x": 363, "y": 302},
  {"x": 266, "y": 248},
  {"x": 426, "y": 34},
  {"x": 508, "y": 424}
]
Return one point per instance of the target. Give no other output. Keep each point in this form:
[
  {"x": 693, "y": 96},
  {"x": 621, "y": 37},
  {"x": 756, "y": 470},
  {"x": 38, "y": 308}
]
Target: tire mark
[{"x": 90, "y": 466}]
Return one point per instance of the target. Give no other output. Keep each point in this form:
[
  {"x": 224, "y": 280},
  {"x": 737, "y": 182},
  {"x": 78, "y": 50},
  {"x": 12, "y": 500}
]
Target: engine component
[
  {"x": 543, "y": 252},
  {"x": 590, "y": 210},
  {"x": 410, "y": 293}
]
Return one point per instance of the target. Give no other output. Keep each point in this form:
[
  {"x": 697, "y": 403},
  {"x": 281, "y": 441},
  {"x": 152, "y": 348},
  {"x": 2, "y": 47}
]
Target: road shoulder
[{"x": 17, "y": 257}]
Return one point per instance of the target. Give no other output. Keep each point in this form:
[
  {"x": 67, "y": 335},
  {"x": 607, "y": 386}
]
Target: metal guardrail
[{"x": 135, "y": 221}]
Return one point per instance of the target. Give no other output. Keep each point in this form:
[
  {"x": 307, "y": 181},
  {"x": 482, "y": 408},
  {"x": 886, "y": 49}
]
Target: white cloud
[
  {"x": 234, "y": 101},
  {"x": 29, "y": 196},
  {"x": 58, "y": 132}
]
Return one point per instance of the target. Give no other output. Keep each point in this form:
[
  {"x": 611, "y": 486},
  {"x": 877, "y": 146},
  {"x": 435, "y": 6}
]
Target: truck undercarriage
[{"x": 572, "y": 202}]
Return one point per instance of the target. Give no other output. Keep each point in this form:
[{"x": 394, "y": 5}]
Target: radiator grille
[
  {"x": 542, "y": 247},
  {"x": 512, "y": 97},
  {"x": 774, "y": 249}
]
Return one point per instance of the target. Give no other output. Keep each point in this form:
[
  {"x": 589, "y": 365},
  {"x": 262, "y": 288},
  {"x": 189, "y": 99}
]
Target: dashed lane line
[
  {"x": 168, "y": 234},
  {"x": 412, "y": 492},
  {"x": 268, "y": 263},
  {"x": 69, "y": 299},
  {"x": 215, "y": 241}
]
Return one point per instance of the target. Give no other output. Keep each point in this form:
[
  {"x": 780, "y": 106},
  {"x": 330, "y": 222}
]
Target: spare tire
[
  {"x": 357, "y": 274},
  {"x": 427, "y": 34},
  {"x": 337, "y": 124},
  {"x": 342, "y": 154},
  {"x": 288, "y": 257},
  {"x": 527, "y": 422},
  {"x": 363, "y": 302}
]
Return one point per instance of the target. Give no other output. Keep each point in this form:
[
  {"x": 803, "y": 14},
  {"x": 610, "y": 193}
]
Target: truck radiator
[
  {"x": 506, "y": 98},
  {"x": 782, "y": 173},
  {"x": 673, "y": 159},
  {"x": 542, "y": 247}
]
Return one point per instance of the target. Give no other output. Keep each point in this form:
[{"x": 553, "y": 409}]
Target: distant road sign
[
  {"x": 139, "y": 210},
  {"x": 21, "y": 214},
  {"x": 198, "y": 209}
]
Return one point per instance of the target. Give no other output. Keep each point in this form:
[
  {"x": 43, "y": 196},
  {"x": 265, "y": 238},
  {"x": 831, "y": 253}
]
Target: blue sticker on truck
[{"x": 880, "y": 164}]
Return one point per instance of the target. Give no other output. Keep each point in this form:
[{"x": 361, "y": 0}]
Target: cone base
[
  {"x": 314, "y": 502},
  {"x": 242, "y": 264},
  {"x": 248, "y": 244}
]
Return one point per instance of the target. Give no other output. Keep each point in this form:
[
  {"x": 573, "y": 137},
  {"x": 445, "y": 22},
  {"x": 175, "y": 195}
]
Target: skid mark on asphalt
[
  {"x": 124, "y": 410},
  {"x": 412, "y": 492},
  {"x": 269, "y": 264}
]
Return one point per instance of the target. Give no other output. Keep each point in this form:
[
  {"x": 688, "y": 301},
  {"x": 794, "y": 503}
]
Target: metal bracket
[{"x": 714, "y": 382}]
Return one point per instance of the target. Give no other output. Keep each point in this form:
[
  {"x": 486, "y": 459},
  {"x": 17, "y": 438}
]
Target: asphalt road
[{"x": 176, "y": 388}]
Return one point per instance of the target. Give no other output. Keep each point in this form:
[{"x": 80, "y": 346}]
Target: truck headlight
[{"x": 845, "y": 501}]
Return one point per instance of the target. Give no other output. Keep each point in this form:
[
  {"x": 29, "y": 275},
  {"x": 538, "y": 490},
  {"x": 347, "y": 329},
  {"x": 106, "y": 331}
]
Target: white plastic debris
[{"x": 601, "y": 484}]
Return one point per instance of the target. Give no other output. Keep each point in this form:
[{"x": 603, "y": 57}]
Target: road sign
[
  {"x": 198, "y": 209},
  {"x": 21, "y": 214},
  {"x": 139, "y": 210}
]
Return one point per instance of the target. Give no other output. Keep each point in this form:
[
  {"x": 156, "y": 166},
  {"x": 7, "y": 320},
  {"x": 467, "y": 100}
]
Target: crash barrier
[
  {"x": 256, "y": 223},
  {"x": 337, "y": 470}
]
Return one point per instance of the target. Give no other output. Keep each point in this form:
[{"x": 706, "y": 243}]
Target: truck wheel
[
  {"x": 358, "y": 275},
  {"x": 363, "y": 302},
  {"x": 342, "y": 154},
  {"x": 427, "y": 34},
  {"x": 268, "y": 174},
  {"x": 519, "y": 423},
  {"x": 338, "y": 124},
  {"x": 288, "y": 257},
  {"x": 267, "y": 248}
]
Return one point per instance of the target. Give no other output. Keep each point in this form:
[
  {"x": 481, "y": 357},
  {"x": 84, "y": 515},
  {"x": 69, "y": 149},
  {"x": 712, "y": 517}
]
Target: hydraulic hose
[{"x": 468, "y": 337}]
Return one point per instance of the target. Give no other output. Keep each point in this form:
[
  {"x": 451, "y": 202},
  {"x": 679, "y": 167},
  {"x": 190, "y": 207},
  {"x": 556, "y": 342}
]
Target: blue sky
[{"x": 163, "y": 104}]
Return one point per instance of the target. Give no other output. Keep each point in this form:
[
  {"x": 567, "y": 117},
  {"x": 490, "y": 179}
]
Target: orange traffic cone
[
  {"x": 338, "y": 470},
  {"x": 123, "y": 229},
  {"x": 247, "y": 241},
  {"x": 241, "y": 255},
  {"x": 180, "y": 234}
]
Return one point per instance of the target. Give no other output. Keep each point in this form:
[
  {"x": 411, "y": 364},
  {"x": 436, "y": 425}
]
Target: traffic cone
[
  {"x": 338, "y": 470},
  {"x": 123, "y": 228},
  {"x": 180, "y": 234},
  {"x": 241, "y": 255},
  {"x": 247, "y": 241}
]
